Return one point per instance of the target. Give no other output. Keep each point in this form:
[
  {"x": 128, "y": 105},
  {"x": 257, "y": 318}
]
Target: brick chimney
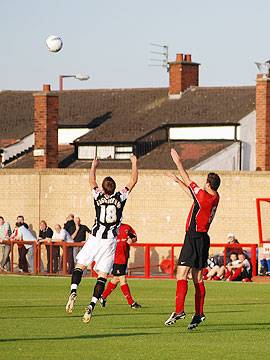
[
  {"x": 46, "y": 129},
  {"x": 263, "y": 122},
  {"x": 183, "y": 73}
]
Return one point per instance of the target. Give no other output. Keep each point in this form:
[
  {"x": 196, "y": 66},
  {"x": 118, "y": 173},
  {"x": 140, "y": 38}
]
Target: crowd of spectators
[
  {"x": 72, "y": 231},
  {"x": 235, "y": 267}
]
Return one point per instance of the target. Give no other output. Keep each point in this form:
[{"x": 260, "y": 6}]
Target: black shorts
[
  {"x": 119, "y": 269},
  {"x": 195, "y": 250}
]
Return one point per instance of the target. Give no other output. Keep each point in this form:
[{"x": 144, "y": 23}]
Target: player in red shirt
[
  {"x": 194, "y": 253},
  {"x": 125, "y": 237}
]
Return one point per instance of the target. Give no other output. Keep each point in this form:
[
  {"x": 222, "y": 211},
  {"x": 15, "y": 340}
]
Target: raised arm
[
  {"x": 134, "y": 173},
  {"x": 179, "y": 165},
  {"x": 92, "y": 174},
  {"x": 180, "y": 183}
]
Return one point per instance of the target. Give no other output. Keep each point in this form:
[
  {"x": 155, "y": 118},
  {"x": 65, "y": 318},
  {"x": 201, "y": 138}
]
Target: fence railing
[{"x": 144, "y": 266}]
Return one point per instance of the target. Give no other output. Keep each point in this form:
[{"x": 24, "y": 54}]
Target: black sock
[
  {"x": 76, "y": 278},
  {"x": 98, "y": 289}
]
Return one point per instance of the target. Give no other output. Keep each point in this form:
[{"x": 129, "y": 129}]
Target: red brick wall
[
  {"x": 262, "y": 123},
  {"x": 46, "y": 129}
]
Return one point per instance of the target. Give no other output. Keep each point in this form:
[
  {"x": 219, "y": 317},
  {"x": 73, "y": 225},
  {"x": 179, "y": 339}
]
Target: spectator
[
  {"x": 5, "y": 233},
  {"x": 46, "y": 233},
  {"x": 24, "y": 234},
  {"x": 79, "y": 235},
  {"x": 232, "y": 248},
  {"x": 70, "y": 227},
  {"x": 216, "y": 268},
  {"x": 60, "y": 234},
  {"x": 23, "y": 264},
  {"x": 239, "y": 269}
]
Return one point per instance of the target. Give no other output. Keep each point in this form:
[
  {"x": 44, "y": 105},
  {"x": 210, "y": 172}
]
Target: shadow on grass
[
  {"x": 133, "y": 313},
  {"x": 221, "y": 328},
  {"x": 79, "y": 337}
]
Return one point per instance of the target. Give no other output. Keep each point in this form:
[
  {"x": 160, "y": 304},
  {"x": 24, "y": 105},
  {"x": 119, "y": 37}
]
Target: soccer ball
[{"x": 54, "y": 43}]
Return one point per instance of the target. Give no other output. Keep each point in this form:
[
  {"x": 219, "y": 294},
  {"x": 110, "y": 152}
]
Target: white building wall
[
  {"x": 67, "y": 136},
  {"x": 247, "y": 134},
  {"x": 226, "y": 159}
]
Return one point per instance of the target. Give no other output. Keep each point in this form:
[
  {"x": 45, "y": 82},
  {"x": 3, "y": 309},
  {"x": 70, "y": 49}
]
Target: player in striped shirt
[
  {"x": 194, "y": 253},
  {"x": 101, "y": 244}
]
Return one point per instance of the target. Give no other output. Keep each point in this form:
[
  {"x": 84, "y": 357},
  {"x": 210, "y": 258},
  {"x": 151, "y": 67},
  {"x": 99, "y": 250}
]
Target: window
[
  {"x": 105, "y": 152},
  {"x": 86, "y": 152}
]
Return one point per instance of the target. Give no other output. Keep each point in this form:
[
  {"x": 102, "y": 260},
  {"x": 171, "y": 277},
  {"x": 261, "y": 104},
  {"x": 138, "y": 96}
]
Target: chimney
[
  {"x": 263, "y": 122},
  {"x": 46, "y": 128},
  {"x": 183, "y": 73}
]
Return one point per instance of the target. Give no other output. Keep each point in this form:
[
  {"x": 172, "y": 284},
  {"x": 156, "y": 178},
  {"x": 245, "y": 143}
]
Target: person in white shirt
[
  {"x": 61, "y": 234},
  {"x": 25, "y": 234},
  {"x": 5, "y": 233}
]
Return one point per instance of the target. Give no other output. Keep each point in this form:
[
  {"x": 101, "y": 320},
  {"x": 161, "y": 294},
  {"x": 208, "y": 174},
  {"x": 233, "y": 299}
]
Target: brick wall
[
  {"x": 262, "y": 123},
  {"x": 46, "y": 128},
  {"x": 156, "y": 208}
]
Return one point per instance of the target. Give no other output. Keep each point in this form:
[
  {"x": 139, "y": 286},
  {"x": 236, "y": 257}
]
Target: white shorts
[{"x": 99, "y": 250}]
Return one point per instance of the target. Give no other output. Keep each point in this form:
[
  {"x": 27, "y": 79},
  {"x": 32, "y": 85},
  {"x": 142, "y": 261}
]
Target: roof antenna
[
  {"x": 163, "y": 56},
  {"x": 263, "y": 68}
]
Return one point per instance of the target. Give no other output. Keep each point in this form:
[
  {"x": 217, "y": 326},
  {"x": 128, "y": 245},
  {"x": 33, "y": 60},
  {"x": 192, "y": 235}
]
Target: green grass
[{"x": 34, "y": 324}]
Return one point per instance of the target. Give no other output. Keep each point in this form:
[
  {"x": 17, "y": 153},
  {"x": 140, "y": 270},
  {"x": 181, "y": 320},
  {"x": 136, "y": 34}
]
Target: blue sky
[{"x": 109, "y": 40}]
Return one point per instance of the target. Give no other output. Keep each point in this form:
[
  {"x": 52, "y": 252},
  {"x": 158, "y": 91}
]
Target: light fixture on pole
[{"x": 81, "y": 77}]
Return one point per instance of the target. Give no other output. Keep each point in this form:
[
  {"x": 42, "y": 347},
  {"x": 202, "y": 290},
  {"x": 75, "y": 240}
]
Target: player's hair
[
  {"x": 108, "y": 185},
  {"x": 1, "y": 217},
  {"x": 213, "y": 180}
]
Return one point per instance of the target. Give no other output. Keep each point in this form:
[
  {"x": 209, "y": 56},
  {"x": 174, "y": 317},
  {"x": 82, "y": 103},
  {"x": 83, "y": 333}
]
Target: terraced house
[{"x": 217, "y": 128}]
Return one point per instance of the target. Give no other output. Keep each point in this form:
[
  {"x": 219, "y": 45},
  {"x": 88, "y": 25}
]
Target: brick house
[{"x": 217, "y": 128}]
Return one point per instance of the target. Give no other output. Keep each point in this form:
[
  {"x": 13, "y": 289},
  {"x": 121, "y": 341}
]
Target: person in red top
[
  {"x": 194, "y": 253},
  {"x": 126, "y": 236}
]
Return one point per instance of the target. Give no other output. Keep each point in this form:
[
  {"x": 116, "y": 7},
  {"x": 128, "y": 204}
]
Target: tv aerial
[
  {"x": 161, "y": 58},
  {"x": 263, "y": 67}
]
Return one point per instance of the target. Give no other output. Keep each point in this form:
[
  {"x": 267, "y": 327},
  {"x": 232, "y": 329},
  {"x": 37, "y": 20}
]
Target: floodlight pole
[{"x": 77, "y": 77}]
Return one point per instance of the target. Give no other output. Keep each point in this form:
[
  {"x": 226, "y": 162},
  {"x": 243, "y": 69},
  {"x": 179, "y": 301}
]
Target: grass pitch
[{"x": 34, "y": 324}]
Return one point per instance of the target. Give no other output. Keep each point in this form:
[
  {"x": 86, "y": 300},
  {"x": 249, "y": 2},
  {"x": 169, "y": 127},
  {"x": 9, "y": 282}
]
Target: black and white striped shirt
[{"x": 109, "y": 209}]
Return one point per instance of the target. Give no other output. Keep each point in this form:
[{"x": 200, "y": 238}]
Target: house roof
[
  {"x": 27, "y": 161},
  {"x": 124, "y": 115},
  {"x": 192, "y": 153}
]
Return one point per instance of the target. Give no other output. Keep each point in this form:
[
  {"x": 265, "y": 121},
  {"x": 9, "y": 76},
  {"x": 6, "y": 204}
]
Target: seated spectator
[
  {"x": 79, "y": 235},
  {"x": 60, "y": 234},
  {"x": 265, "y": 266},
  {"x": 24, "y": 234},
  {"x": 46, "y": 233},
  {"x": 216, "y": 268},
  {"x": 5, "y": 233},
  {"x": 238, "y": 269}
]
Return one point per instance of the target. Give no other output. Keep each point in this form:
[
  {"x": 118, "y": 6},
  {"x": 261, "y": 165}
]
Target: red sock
[
  {"x": 199, "y": 298},
  {"x": 227, "y": 274},
  {"x": 127, "y": 294},
  {"x": 181, "y": 292},
  {"x": 110, "y": 287},
  {"x": 236, "y": 274}
]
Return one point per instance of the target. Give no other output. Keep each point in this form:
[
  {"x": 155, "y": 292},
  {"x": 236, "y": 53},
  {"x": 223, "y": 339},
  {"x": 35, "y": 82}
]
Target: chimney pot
[
  {"x": 46, "y": 87},
  {"x": 179, "y": 57},
  {"x": 188, "y": 57}
]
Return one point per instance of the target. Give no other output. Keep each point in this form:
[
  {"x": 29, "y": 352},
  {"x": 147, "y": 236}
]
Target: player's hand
[
  {"x": 175, "y": 156},
  {"x": 133, "y": 159},
  {"x": 129, "y": 241},
  {"x": 95, "y": 163}
]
